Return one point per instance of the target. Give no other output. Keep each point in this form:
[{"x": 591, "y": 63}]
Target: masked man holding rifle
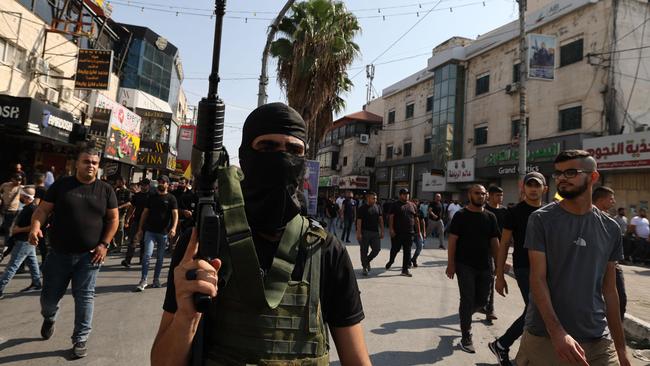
[{"x": 318, "y": 292}]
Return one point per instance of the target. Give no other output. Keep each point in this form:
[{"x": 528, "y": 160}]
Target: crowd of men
[{"x": 76, "y": 220}]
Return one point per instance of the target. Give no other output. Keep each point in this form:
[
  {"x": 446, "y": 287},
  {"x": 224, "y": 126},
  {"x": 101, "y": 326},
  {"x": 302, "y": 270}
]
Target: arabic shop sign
[
  {"x": 460, "y": 170},
  {"x": 94, "y": 69},
  {"x": 511, "y": 154},
  {"x": 630, "y": 151},
  {"x": 433, "y": 183}
]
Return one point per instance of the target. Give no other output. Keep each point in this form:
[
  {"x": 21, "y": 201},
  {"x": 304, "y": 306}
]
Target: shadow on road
[
  {"x": 16, "y": 342},
  {"x": 65, "y": 354},
  {"x": 425, "y": 323}
]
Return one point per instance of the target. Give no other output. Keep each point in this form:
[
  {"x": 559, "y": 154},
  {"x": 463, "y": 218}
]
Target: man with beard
[
  {"x": 84, "y": 220},
  {"x": 349, "y": 213},
  {"x": 132, "y": 222},
  {"x": 403, "y": 225},
  {"x": 603, "y": 198},
  {"x": 158, "y": 221},
  {"x": 473, "y": 240},
  {"x": 318, "y": 280},
  {"x": 436, "y": 222},
  {"x": 370, "y": 230},
  {"x": 514, "y": 228},
  {"x": 573, "y": 248}
]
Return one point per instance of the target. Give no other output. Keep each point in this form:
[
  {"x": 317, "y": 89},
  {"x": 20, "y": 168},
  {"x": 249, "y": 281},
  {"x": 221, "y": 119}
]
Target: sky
[{"x": 383, "y": 22}]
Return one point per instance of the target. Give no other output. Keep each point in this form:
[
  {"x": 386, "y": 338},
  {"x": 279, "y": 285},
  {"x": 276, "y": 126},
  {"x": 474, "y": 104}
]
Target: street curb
[{"x": 636, "y": 329}]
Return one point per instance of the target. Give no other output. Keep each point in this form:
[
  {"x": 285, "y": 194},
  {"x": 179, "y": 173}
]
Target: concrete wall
[
  {"x": 414, "y": 129},
  {"x": 575, "y": 84}
]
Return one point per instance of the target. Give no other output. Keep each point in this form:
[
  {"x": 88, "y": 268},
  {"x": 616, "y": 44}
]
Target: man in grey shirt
[{"x": 573, "y": 248}]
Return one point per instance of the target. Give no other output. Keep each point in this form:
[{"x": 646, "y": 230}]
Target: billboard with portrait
[
  {"x": 310, "y": 185},
  {"x": 541, "y": 56}
]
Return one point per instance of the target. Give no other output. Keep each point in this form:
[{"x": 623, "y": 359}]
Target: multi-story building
[
  {"x": 41, "y": 111},
  {"x": 406, "y": 139},
  {"x": 348, "y": 151}
]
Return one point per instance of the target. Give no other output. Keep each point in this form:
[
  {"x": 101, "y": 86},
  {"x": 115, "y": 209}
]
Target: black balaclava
[{"x": 271, "y": 179}]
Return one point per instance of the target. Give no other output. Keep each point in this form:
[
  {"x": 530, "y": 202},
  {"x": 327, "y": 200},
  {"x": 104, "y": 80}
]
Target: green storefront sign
[{"x": 511, "y": 154}]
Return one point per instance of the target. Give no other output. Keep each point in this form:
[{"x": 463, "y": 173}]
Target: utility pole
[
  {"x": 370, "y": 74},
  {"x": 264, "y": 79},
  {"x": 523, "y": 77}
]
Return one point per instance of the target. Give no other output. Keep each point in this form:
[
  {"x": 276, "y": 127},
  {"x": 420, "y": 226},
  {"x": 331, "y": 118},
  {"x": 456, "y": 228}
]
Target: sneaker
[
  {"x": 365, "y": 271},
  {"x": 406, "y": 274},
  {"x": 389, "y": 264},
  {"x": 156, "y": 283},
  {"x": 32, "y": 288},
  {"x": 47, "y": 329},
  {"x": 79, "y": 350},
  {"x": 501, "y": 354},
  {"x": 126, "y": 264},
  {"x": 415, "y": 263},
  {"x": 467, "y": 345},
  {"x": 141, "y": 286}
]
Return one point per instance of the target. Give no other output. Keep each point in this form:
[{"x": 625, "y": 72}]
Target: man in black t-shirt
[
  {"x": 123, "y": 194},
  {"x": 23, "y": 250},
  {"x": 494, "y": 204},
  {"x": 349, "y": 213},
  {"x": 332, "y": 213},
  {"x": 132, "y": 221},
  {"x": 403, "y": 224},
  {"x": 370, "y": 230},
  {"x": 187, "y": 203},
  {"x": 158, "y": 222},
  {"x": 272, "y": 157},
  {"x": 436, "y": 222},
  {"x": 514, "y": 229},
  {"x": 85, "y": 218},
  {"x": 473, "y": 240}
]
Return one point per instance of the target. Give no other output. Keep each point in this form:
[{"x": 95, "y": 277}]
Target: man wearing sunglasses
[{"x": 573, "y": 247}]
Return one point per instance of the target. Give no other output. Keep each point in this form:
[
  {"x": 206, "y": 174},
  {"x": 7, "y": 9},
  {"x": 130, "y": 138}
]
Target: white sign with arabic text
[{"x": 629, "y": 151}]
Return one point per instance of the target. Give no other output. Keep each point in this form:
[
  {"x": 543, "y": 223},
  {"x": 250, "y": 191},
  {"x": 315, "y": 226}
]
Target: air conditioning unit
[
  {"x": 397, "y": 151},
  {"x": 364, "y": 138},
  {"x": 512, "y": 88},
  {"x": 66, "y": 93},
  {"x": 39, "y": 65},
  {"x": 52, "y": 95}
]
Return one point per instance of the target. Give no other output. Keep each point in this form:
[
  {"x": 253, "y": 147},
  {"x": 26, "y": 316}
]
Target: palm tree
[{"x": 314, "y": 51}]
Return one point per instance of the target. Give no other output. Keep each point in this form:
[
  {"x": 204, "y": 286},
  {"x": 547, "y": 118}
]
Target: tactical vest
[{"x": 261, "y": 319}]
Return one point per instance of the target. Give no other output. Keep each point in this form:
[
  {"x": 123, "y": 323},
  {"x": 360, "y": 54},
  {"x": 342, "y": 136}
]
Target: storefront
[
  {"x": 156, "y": 155},
  {"x": 382, "y": 179},
  {"x": 329, "y": 185},
  {"x": 37, "y": 135},
  {"x": 499, "y": 165},
  {"x": 624, "y": 166}
]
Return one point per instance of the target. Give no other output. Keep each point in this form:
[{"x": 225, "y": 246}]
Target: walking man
[
  {"x": 473, "y": 240},
  {"x": 158, "y": 222},
  {"x": 23, "y": 250},
  {"x": 9, "y": 205},
  {"x": 403, "y": 224},
  {"x": 123, "y": 194},
  {"x": 495, "y": 205},
  {"x": 84, "y": 221},
  {"x": 573, "y": 248},
  {"x": 370, "y": 230},
  {"x": 436, "y": 223},
  {"x": 639, "y": 228},
  {"x": 349, "y": 213},
  {"x": 332, "y": 213},
  {"x": 514, "y": 229},
  {"x": 132, "y": 222}
]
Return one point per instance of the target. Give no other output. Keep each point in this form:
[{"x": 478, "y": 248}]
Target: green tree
[{"x": 314, "y": 50}]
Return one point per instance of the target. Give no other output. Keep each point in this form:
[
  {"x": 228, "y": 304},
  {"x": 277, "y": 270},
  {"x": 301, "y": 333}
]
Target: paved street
[{"x": 409, "y": 321}]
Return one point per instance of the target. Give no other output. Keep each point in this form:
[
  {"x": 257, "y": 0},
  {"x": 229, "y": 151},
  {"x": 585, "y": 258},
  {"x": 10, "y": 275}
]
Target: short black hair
[
  {"x": 601, "y": 192},
  {"x": 495, "y": 189},
  {"x": 588, "y": 161},
  {"x": 90, "y": 150},
  {"x": 371, "y": 193}
]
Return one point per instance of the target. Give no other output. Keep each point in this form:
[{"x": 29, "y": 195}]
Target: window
[
  {"x": 427, "y": 144},
  {"x": 571, "y": 118},
  {"x": 391, "y": 117},
  {"x": 389, "y": 152},
  {"x": 514, "y": 130},
  {"x": 429, "y": 103},
  {"x": 571, "y": 53},
  {"x": 407, "y": 149},
  {"x": 483, "y": 84},
  {"x": 410, "y": 108},
  {"x": 516, "y": 73},
  {"x": 335, "y": 159},
  {"x": 345, "y": 161},
  {"x": 480, "y": 135},
  {"x": 370, "y": 162},
  {"x": 12, "y": 55}
]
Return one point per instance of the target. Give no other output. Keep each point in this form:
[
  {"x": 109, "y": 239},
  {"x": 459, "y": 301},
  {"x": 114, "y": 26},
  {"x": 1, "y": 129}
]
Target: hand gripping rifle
[{"x": 208, "y": 155}]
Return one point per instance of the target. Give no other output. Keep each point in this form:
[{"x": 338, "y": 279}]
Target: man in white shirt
[
  {"x": 339, "y": 202},
  {"x": 639, "y": 227},
  {"x": 453, "y": 208}
]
